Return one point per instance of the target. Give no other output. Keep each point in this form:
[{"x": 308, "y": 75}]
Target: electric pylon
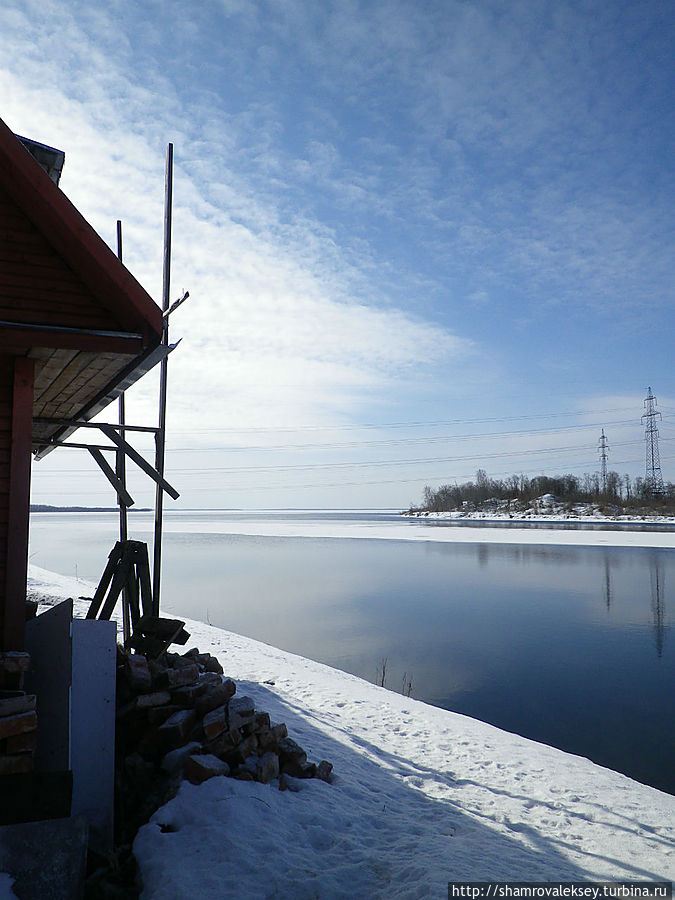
[
  {"x": 653, "y": 476},
  {"x": 603, "y": 447}
]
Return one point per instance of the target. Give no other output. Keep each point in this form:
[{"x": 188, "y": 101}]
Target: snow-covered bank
[
  {"x": 426, "y": 530},
  {"x": 421, "y": 797},
  {"x": 546, "y": 511}
]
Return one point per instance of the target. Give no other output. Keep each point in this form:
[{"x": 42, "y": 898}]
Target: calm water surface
[{"x": 571, "y": 646}]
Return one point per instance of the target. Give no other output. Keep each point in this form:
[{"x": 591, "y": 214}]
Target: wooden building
[{"x": 76, "y": 329}]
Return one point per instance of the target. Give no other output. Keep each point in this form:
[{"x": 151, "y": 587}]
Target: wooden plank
[
  {"x": 122, "y": 494},
  {"x": 142, "y": 463},
  {"x": 65, "y": 377},
  {"x": 16, "y": 232},
  {"x": 46, "y": 371},
  {"x": 31, "y": 297},
  {"x": 144, "y": 578},
  {"x": 113, "y": 561},
  {"x": 40, "y": 278},
  {"x": 13, "y": 260},
  {"x": 69, "y": 407},
  {"x": 51, "y": 361},
  {"x": 28, "y": 288}
]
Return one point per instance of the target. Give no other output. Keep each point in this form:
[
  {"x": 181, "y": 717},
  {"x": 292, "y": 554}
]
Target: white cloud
[{"x": 277, "y": 330}]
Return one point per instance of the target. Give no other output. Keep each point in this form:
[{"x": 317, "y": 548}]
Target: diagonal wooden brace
[
  {"x": 136, "y": 457},
  {"x": 124, "y": 496}
]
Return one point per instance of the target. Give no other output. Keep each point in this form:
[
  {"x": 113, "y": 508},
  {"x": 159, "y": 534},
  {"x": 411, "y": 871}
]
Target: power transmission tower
[
  {"x": 653, "y": 476},
  {"x": 603, "y": 447}
]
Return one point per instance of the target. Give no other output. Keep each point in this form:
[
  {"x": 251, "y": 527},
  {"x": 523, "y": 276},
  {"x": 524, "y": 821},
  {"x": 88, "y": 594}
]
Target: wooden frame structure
[{"x": 76, "y": 330}]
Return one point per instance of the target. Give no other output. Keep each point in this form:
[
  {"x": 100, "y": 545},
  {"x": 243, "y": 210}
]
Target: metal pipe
[
  {"x": 121, "y": 472},
  {"x": 62, "y": 329},
  {"x": 160, "y": 436}
]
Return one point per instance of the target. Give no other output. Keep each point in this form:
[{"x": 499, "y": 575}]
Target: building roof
[{"x": 66, "y": 300}]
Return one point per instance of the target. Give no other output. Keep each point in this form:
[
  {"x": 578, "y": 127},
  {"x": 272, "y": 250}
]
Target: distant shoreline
[
  {"x": 41, "y": 507},
  {"x": 534, "y": 518}
]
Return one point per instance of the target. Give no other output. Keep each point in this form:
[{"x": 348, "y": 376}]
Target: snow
[
  {"x": 547, "y": 509},
  {"x": 421, "y": 796}
]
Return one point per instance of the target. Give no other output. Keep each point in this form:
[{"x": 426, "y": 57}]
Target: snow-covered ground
[
  {"x": 421, "y": 796},
  {"x": 544, "y": 509}
]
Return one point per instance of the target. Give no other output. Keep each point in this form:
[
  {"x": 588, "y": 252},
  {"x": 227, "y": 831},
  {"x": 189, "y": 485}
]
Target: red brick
[
  {"x": 22, "y": 743},
  {"x": 177, "y": 727},
  {"x": 200, "y": 768},
  {"x": 13, "y": 661},
  {"x": 187, "y": 696},
  {"x": 159, "y": 714},
  {"x": 215, "y": 722},
  {"x": 19, "y": 703},
  {"x": 138, "y": 672},
  {"x": 16, "y": 765},
  {"x": 11, "y": 725},
  {"x": 215, "y": 695},
  {"x": 185, "y": 675},
  {"x": 224, "y": 744}
]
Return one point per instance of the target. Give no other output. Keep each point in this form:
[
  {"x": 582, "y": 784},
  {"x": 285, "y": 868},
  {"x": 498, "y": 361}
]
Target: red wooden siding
[
  {"x": 6, "y": 387},
  {"x": 36, "y": 285},
  {"x": 16, "y": 540}
]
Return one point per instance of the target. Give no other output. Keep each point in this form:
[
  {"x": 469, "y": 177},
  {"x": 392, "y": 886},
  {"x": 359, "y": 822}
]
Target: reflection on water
[
  {"x": 570, "y": 646},
  {"x": 656, "y": 575}
]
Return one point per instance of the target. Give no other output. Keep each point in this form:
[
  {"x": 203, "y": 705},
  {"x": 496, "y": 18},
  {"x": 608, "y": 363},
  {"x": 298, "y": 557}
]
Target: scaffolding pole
[
  {"x": 161, "y": 433},
  {"x": 121, "y": 472}
]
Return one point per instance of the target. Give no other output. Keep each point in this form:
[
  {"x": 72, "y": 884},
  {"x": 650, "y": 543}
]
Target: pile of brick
[
  {"x": 18, "y": 719},
  {"x": 178, "y": 717}
]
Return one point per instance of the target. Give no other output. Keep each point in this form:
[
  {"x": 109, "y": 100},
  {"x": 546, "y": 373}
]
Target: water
[{"x": 571, "y": 646}]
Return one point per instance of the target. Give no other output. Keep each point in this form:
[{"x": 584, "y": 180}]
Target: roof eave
[{"x": 136, "y": 369}]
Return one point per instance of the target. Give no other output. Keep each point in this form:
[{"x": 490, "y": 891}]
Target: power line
[
  {"x": 588, "y": 464},
  {"x": 234, "y": 470},
  {"x": 444, "y": 478},
  {"x": 204, "y": 470},
  {"x": 416, "y": 424},
  {"x": 398, "y": 441}
]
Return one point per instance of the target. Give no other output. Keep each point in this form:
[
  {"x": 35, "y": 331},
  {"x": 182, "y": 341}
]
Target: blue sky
[{"x": 419, "y": 237}]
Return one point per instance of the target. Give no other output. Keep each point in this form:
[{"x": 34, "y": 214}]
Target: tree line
[{"x": 617, "y": 494}]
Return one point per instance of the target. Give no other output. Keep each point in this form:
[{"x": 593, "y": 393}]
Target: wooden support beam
[
  {"x": 127, "y": 570},
  {"x": 142, "y": 463},
  {"x": 78, "y": 423},
  {"x": 113, "y": 559},
  {"x": 123, "y": 495},
  {"x": 19, "y": 505}
]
